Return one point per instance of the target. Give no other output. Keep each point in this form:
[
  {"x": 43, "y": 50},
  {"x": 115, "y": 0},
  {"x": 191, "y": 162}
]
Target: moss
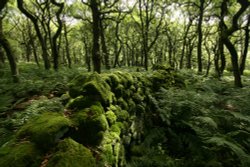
[
  {"x": 140, "y": 109},
  {"x": 97, "y": 108},
  {"x": 75, "y": 86},
  {"x": 111, "y": 117},
  {"x": 122, "y": 103},
  {"x": 115, "y": 128},
  {"x": 70, "y": 153},
  {"x": 114, "y": 79},
  {"x": 45, "y": 130},
  {"x": 19, "y": 155},
  {"x": 119, "y": 91},
  {"x": 126, "y": 78},
  {"x": 80, "y": 102},
  {"x": 131, "y": 105},
  {"x": 122, "y": 115},
  {"x": 107, "y": 155},
  {"x": 97, "y": 89},
  {"x": 137, "y": 98},
  {"x": 89, "y": 124},
  {"x": 109, "y": 149}
]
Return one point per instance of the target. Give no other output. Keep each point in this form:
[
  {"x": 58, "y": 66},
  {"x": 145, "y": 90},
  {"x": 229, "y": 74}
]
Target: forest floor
[{"x": 217, "y": 126}]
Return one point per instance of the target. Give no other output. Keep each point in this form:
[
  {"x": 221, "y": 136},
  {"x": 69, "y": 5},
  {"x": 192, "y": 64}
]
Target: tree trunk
[
  {"x": 55, "y": 46},
  {"x": 9, "y": 53},
  {"x": 234, "y": 59},
  {"x": 96, "y": 57},
  {"x": 200, "y": 36},
  {"x": 104, "y": 47},
  {"x": 42, "y": 41},
  {"x": 67, "y": 45},
  {"x": 246, "y": 45}
]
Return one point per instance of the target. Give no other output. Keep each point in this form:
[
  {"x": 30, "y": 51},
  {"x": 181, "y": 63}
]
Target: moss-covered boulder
[
  {"x": 75, "y": 86},
  {"x": 45, "y": 130},
  {"x": 90, "y": 124},
  {"x": 71, "y": 154},
  {"x": 111, "y": 117},
  {"x": 20, "y": 155},
  {"x": 97, "y": 89}
]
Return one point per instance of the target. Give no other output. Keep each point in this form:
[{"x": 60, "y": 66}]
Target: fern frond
[{"x": 236, "y": 149}]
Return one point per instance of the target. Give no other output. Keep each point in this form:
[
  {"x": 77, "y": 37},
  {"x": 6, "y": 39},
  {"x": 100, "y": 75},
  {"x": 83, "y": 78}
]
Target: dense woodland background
[
  {"x": 136, "y": 83},
  {"x": 204, "y": 35}
]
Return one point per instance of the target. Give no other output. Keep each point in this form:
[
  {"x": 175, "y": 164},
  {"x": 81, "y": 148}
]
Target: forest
[{"x": 124, "y": 83}]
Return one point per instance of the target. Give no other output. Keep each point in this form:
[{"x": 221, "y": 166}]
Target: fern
[{"x": 220, "y": 142}]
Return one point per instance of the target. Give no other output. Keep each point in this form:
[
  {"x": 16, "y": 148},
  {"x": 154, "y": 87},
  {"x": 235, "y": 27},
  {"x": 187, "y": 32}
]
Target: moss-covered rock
[
  {"x": 79, "y": 103},
  {"x": 122, "y": 103},
  {"x": 45, "y": 130},
  {"x": 119, "y": 91},
  {"x": 89, "y": 123},
  {"x": 137, "y": 98},
  {"x": 71, "y": 154},
  {"x": 111, "y": 117},
  {"x": 75, "y": 86},
  {"x": 114, "y": 80},
  {"x": 19, "y": 155}
]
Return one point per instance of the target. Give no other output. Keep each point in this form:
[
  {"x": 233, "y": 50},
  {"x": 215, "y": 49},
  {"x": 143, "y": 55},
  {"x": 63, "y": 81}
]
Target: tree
[
  {"x": 55, "y": 46},
  {"x": 42, "y": 40},
  {"x": 147, "y": 14},
  {"x": 228, "y": 31},
  {"x": 246, "y": 45},
  {"x": 7, "y": 47}
]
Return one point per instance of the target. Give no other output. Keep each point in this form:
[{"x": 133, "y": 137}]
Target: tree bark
[
  {"x": 67, "y": 45},
  {"x": 246, "y": 45},
  {"x": 200, "y": 35},
  {"x": 104, "y": 46},
  {"x": 9, "y": 53},
  {"x": 55, "y": 46},
  {"x": 96, "y": 57}
]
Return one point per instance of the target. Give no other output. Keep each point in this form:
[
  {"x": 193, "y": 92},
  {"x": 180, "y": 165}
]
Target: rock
[
  {"x": 19, "y": 155},
  {"x": 71, "y": 154},
  {"x": 45, "y": 130}
]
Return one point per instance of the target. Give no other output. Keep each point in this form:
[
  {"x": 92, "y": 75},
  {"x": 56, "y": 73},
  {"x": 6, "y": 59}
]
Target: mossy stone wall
[{"x": 105, "y": 118}]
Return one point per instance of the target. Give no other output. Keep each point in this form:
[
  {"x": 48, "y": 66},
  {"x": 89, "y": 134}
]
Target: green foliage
[
  {"x": 33, "y": 108},
  {"x": 69, "y": 152}
]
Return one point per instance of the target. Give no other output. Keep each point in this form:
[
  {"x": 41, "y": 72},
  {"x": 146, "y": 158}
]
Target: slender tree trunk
[
  {"x": 42, "y": 41},
  {"x": 55, "y": 45},
  {"x": 9, "y": 53},
  {"x": 200, "y": 36},
  {"x": 67, "y": 46},
  {"x": 104, "y": 47},
  {"x": 246, "y": 45},
  {"x": 185, "y": 42},
  {"x": 96, "y": 57},
  {"x": 234, "y": 58}
]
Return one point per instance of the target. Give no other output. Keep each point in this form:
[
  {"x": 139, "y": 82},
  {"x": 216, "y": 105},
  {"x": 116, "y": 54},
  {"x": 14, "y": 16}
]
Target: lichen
[
  {"x": 70, "y": 153},
  {"x": 19, "y": 155},
  {"x": 45, "y": 130}
]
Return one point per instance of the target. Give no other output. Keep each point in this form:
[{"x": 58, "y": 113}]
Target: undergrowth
[{"x": 207, "y": 123}]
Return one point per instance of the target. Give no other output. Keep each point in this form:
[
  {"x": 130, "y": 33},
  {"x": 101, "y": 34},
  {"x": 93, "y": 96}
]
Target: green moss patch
[
  {"x": 45, "y": 130},
  {"x": 19, "y": 155},
  {"x": 71, "y": 154},
  {"x": 90, "y": 123}
]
